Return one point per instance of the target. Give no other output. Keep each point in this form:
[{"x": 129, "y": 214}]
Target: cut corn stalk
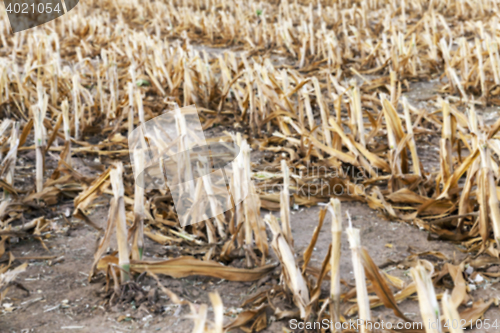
[
  {"x": 359, "y": 274},
  {"x": 429, "y": 308},
  {"x": 138, "y": 243},
  {"x": 116, "y": 177},
  {"x": 488, "y": 198},
  {"x": 131, "y": 98},
  {"x": 335, "y": 211},
  {"x": 450, "y": 314},
  {"x": 291, "y": 272},
  {"x": 411, "y": 143},
  {"x": 38, "y": 116},
  {"x": 446, "y": 144},
  {"x": 358, "y": 112},
  {"x": 10, "y": 159},
  {"x": 67, "y": 129},
  {"x": 285, "y": 204},
  {"x": 324, "y": 116}
]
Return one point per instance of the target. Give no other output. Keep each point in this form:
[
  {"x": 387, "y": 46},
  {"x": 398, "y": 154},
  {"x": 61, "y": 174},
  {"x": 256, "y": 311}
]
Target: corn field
[{"x": 392, "y": 105}]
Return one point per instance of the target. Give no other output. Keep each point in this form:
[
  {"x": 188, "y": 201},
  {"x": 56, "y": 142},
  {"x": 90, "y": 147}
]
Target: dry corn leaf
[
  {"x": 188, "y": 266},
  {"x": 380, "y": 286}
]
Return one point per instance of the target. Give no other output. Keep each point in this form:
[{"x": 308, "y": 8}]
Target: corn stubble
[{"x": 310, "y": 85}]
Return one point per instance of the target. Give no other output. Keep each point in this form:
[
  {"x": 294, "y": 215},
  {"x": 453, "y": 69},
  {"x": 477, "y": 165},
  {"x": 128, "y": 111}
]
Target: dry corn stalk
[
  {"x": 138, "y": 242},
  {"x": 38, "y": 117},
  {"x": 411, "y": 143},
  {"x": 10, "y": 159},
  {"x": 335, "y": 211},
  {"x": 446, "y": 144},
  {"x": 67, "y": 128},
  {"x": 358, "y": 113},
  {"x": 285, "y": 204},
  {"x": 140, "y": 107},
  {"x": 479, "y": 55},
  {"x": 238, "y": 182},
  {"x": 254, "y": 226},
  {"x": 218, "y": 312},
  {"x": 182, "y": 132},
  {"x": 488, "y": 198},
  {"x": 324, "y": 116},
  {"x": 359, "y": 274},
  {"x": 247, "y": 205},
  {"x": 450, "y": 313},
  {"x": 214, "y": 204},
  {"x": 76, "y": 105},
  {"x": 4, "y": 126},
  {"x": 106, "y": 238},
  {"x": 391, "y": 135},
  {"x": 131, "y": 98},
  {"x": 429, "y": 308},
  {"x": 292, "y": 275},
  {"x": 307, "y": 106},
  {"x": 116, "y": 177}
]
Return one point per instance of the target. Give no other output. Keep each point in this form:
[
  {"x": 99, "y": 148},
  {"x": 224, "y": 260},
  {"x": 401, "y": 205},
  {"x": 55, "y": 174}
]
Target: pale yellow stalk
[
  {"x": 140, "y": 107},
  {"x": 335, "y": 210},
  {"x": 413, "y": 148},
  {"x": 454, "y": 77},
  {"x": 66, "y": 128},
  {"x": 480, "y": 68},
  {"x": 76, "y": 105},
  {"x": 130, "y": 107},
  {"x": 218, "y": 312},
  {"x": 307, "y": 106},
  {"x": 493, "y": 203},
  {"x": 446, "y": 144},
  {"x": 138, "y": 207},
  {"x": 116, "y": 177},
  {"x": 450, "y": 313},
  {"x": 356, "y": 98},
  {"x": 429, "y": 308},
  {"x": 464, "y": 54},
  {"x": 292, "y": 274},
  {"x": 214, "y": 204},
  {"x": 359, "y": 274},
  {"x": 446, "y": 130},
  {"x": 324, "y": 115},
  {"x": 393, "y": 77},
  {"x": 391, "y": 137},
  {"x": 285, "y": 203},
  {"x": 182, "y": 132},
  {"x": 39, "y": 111},
  {"x": 245, "y": 151},
  {"x": 492, "y": 60},
  {"x": 238, "y": 182},
  {"x": 11, "y": 157}
]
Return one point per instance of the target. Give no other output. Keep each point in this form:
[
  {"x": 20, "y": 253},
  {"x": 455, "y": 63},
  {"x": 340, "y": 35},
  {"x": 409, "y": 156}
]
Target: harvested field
[{"x": 368, "y": 162}]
